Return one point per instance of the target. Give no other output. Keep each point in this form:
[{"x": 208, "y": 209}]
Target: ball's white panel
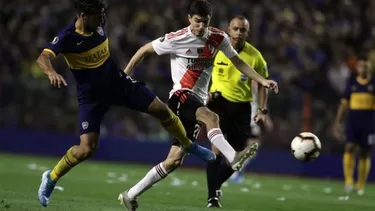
[
  {"x": 304, "y": 144},
  {"x": 299, "y": 154}
]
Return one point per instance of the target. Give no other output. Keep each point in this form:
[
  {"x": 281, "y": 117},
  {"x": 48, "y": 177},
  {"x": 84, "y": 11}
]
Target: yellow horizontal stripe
[
  {"x": 50, "y": 51},
  {"x": 362, "y": 101},
  {"x": 90, "y": 59}
]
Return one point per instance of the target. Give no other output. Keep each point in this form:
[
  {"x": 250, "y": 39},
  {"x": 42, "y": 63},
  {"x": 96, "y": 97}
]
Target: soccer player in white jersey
[{"x": 192, "y": 51}]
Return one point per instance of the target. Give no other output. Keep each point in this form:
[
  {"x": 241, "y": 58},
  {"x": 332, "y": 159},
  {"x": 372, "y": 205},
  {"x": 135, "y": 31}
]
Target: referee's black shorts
[{"x": 235, "y": 119}]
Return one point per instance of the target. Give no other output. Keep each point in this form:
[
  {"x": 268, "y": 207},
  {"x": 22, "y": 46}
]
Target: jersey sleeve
[
  {"x": 163, "y": 45},
  {"x": 56, "y": 46},
  {"x": 261, "y": 66},
  {"x": 227, "y": 48}
]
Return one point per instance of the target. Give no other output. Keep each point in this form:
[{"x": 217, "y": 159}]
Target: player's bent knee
[
  {"x": 206, "y": 116},
  {"x": 174, "y": 159},
  {"x": 159, "y": 109},
  {"x": 172, "y": 164}
]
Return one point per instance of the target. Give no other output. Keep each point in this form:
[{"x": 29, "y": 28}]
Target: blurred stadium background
[{"x": 311, "y": 47}]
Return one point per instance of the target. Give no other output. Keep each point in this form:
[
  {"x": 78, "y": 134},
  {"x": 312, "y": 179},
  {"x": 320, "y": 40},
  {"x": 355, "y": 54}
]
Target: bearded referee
[{"x": 231, "y": 93}]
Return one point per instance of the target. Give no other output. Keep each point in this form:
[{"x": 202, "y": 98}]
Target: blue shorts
[
  {"x": 124, "y": 92},
  {"x": 362, "y": 134}
]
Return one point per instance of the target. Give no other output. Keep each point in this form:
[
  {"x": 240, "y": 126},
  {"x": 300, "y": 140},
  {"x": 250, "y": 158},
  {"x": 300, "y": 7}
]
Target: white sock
[
  {"x": 153, "y": 176},
  {"x": 218, "y": 140}
]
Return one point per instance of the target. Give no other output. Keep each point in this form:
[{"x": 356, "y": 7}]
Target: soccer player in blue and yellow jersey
[
  {"x": 100, "y": 85},
  {"x": 231, "y": 93},
  {"x": 359, "y": 100}
]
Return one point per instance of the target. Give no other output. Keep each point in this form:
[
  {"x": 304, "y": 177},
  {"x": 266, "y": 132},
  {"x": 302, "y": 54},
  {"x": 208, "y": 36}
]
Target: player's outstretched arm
[
  {"x": 44, "y": 62},
  {"x": 160, "y": 46},
  {"x": 138, "y": 56},
  {"x": 247, "y": 70}
]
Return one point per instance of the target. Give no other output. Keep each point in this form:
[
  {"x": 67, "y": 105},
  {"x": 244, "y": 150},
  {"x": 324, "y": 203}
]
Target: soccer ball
[{"x": 306, "y": 147}]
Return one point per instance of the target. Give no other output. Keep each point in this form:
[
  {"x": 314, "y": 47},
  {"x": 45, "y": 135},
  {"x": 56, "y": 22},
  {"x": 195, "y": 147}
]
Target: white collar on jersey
[{"x": 205, "y": 35}]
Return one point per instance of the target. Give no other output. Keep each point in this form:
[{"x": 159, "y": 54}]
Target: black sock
[
  {"x": 212, "y": 176},
  {"x": 225, "y": 171}
]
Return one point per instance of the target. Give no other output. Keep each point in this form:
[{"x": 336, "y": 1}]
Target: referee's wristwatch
[{"x": 263, "y": 111}]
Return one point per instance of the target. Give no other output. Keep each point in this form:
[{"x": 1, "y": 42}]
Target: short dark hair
[
  {"x": 89, "y": 6},
  {"x": 240, "y": 17},
  {"x": 201, "y": 8}
]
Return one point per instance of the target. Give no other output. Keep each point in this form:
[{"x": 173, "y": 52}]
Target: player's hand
[
  {"x": 57, "y": 80},
  {"x": 271, "y": 84},
  {"x": 260, "y": 117}
]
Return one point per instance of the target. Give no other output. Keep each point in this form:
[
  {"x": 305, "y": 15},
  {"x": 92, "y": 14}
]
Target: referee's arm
[
  {"x": 261, "y": 68},
  {"x": 262, "y": 96}
]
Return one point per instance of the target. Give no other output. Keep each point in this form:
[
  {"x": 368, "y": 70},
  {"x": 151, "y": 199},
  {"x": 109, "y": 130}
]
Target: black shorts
[
  {"x": 235, "y": 119},
  {"x": 361, "y": 131},
  {"x": 125, "y": 92},
  {"x": 184, "y": 104}
]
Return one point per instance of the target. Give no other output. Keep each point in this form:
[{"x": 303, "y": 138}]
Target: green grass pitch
[{"x": 94, "y": 186}]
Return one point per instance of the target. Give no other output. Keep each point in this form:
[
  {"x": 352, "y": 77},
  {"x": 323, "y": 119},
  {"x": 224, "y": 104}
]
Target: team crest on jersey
[
  {"x": 211, "y": 49},
  {"x": 100, "y": 31},
  {"x": 85, "y": 125},
  {"x": 55, "y": 40}
]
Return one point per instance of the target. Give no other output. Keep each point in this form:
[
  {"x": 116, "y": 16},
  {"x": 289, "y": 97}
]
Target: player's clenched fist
[
  {"x": 57, "y": 80},
  {"x": 271, "y": 84}
]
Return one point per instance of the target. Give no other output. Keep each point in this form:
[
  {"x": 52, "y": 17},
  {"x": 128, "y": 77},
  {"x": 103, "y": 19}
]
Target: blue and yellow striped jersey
[
  {"x": 360, "y": 96},
  {"x": 88, "y": 57}
]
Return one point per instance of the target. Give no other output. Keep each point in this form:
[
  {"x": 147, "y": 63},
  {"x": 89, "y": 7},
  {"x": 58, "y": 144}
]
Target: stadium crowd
[{"x": 310, "y": 47}]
